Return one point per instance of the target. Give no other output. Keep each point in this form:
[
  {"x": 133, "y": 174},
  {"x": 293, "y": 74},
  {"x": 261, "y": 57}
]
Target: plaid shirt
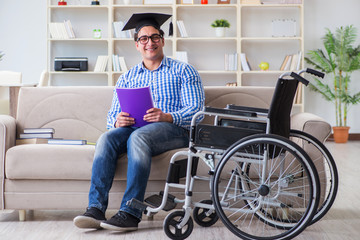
[{"x": 175, "y": 86}]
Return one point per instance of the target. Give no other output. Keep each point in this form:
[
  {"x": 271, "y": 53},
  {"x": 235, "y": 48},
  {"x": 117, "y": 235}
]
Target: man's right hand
[{"x": 123, "y": 120}]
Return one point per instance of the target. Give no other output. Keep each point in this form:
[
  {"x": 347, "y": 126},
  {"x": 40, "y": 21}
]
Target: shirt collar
[{"x": 164, "y": 62}]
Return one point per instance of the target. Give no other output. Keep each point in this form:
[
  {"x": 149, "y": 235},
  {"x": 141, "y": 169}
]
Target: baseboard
[{"x": 352, "y": 137}]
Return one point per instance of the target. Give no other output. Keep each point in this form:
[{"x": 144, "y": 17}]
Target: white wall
[
  {"x": 321, "y": 14},
  {"x": 23, "y": 39}
]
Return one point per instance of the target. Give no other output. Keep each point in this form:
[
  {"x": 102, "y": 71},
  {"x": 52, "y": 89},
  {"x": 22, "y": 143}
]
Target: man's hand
[
  {"x": 123, "y": 120},
  {"x": 156, "y": 115}
]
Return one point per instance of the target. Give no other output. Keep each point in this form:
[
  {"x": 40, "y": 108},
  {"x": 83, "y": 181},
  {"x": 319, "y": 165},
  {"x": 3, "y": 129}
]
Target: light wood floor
[{"x": 342, "y": 222}]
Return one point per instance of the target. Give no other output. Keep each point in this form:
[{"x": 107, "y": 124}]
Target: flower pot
[
  {"x": 220, "y": 31},
  {"x": 341, "y": 134}
]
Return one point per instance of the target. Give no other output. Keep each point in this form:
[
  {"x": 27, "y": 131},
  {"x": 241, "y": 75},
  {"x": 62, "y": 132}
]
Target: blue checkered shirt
[{"x": 175, "y": 86}]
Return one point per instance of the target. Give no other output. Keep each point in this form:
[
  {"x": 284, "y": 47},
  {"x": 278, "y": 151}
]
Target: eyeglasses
[{"x": 155, "y": 38}]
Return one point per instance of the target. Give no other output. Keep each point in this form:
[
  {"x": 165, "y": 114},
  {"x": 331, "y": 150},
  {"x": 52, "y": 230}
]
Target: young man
[{"x": 177, "y": 93}]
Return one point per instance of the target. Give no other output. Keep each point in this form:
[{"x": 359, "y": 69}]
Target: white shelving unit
[{"x": 250, "y": 33}]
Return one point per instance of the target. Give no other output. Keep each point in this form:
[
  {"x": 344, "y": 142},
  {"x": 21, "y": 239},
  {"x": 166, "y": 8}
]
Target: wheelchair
[{"x": 263, "y": 182}]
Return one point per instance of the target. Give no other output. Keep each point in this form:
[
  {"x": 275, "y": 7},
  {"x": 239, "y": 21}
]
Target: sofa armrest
[
  {"x": 7, "y": 140},
  {"x": 312, "y": 124}
]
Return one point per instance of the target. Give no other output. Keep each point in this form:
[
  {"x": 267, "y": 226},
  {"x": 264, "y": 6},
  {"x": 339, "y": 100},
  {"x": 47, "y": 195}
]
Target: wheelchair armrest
[
  {"x": 230, "y": 112},
  {"x": 249, "y": 109}
]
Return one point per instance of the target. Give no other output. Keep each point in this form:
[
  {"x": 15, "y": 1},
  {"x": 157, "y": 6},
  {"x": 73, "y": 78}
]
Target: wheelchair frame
[{"x": 262, "y": 196}]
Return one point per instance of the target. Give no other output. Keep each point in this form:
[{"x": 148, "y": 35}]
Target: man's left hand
[{"x": 156, "y": 115}]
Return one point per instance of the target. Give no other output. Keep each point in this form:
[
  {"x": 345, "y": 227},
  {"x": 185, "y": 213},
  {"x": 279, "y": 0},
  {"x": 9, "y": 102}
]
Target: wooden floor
[{"x": 342, "y": 222}]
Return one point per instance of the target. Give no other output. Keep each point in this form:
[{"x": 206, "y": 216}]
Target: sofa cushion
[{"x": 68, "y": 162}]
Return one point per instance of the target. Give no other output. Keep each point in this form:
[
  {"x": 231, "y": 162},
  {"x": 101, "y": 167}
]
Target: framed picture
[
  {"x": 187, "y": 1},
  {"x": 153, "y": 2},
  {"x": 223, "y": 2}
]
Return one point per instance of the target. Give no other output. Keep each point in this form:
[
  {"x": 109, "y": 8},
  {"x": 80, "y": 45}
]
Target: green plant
[
  {"x": 340, "y": 60},
  {"x": 220, "y": 23}
]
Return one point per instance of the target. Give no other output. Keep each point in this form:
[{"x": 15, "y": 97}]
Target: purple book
[{"x": 135, "y": 101}]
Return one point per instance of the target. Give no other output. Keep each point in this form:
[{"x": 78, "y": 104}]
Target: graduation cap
[{"x": 139, "y": 20}]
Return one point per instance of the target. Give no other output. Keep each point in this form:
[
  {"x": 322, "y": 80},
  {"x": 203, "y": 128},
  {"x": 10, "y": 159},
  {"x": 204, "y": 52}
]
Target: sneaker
[
  {"x": 121, "y": 221},
  {"x": 90, "y": 219}
]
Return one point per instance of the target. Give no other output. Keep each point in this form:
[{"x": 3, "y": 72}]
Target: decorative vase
[
  {"x": 341, "y": 134},
  {"x": 220, "y": 31}
]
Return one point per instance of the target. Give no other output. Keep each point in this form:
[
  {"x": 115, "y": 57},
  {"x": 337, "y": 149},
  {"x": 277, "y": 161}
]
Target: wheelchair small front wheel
[
  {"x": 205, "y": 217},
  {"x": 172, "y": 222}
]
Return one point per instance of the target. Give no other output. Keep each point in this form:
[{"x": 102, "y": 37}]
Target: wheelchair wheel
[
  {"x": 265, "y": 187},
  {"x": 325, "y": 166},
  {"x": 171, "y": 226},
  {"x": 203, "y": 216}
]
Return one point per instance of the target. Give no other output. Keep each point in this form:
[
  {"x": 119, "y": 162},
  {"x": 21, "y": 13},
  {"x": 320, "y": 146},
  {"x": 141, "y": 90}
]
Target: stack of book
[
  {"x": 119, "y": 64},
  {"x": 292, "y": 62},
  {"x": 61, "y": 30},
  {"x": 231, "y": 62},
  {"x": 35, "y": 135},
  {"x": 101, "y": 63}
]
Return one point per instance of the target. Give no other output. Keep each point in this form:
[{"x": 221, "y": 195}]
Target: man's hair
[{"x": 161, "y": 32}]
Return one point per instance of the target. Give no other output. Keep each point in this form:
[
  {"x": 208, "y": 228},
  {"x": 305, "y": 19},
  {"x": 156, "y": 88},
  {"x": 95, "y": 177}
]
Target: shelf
[
  {"x": 206, "y": 39},
  {"x": 80, "y": 39},
  {"x": 216, "y": 72},
  {"x": 271, "y": 5},
  {"x": 270, "y": 38},
  {"x": 78, "y": 7},
  {"x": 250, "y": 33},
  {"x": 78, "y": 72}
]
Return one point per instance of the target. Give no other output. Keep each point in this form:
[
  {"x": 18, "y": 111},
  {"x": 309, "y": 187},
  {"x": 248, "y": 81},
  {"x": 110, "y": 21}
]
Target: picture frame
[
  {"x": 157, "y": 2},
  {"x": 187, "y": 1},
  {"x": 223, "y": 1}
]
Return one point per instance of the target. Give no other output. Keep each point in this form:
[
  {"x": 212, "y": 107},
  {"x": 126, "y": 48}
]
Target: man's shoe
[
  {"x": 90, "y": 219},
  {"x": 121, "y": 221}
]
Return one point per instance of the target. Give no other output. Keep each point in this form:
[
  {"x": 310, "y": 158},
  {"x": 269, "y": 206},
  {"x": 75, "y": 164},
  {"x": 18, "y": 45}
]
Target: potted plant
[
  {"x": 220, "y": 25},
  {"x": 339, "y": 61}
]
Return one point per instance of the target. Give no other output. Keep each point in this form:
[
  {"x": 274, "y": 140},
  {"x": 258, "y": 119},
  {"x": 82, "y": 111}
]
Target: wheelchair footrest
[
  {"x": 156, "y": 200},
  {"x": 134, "y": 203}
]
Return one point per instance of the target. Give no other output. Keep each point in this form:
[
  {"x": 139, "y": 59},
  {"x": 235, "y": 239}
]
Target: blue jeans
[{"x": 140, "y": 144}]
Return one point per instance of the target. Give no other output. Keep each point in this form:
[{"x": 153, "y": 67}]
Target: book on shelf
[
  {"x": 39, "y": 130},
  {"x": 182, "y": 29},
  {"x": 298, "y": 94},
  {"x": 231, "y": 61},
  {"x": 69, "y": 29},
  {"x": 181, "y": 56},
  {"x": 67, "y": 141},
  {"x": 244, "y": 62},
  {"x": 119, "y": 63},
  {"x": 291, "y": 62},
  {"x": 118, "y": 33},
  {"x": 35, "y": 135},
  {"x": 123, "y": 66},
  {"x": 31, "y": 141},
  {"x": 101, "y": 63}
]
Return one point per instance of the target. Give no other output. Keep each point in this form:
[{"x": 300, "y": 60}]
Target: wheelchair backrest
[{"x": 281, "y": 105}]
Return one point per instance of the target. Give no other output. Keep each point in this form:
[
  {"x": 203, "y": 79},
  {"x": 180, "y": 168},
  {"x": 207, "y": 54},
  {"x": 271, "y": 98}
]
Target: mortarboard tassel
[{"x": 171, "y": 29}]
